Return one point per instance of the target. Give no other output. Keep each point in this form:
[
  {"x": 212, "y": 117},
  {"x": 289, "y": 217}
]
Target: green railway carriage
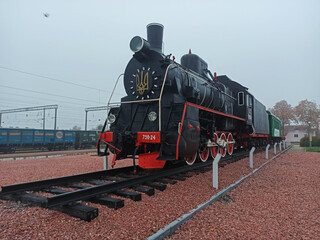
[
  {"x": 275, "y": 126},
  {"x": 86, "y": 139}
]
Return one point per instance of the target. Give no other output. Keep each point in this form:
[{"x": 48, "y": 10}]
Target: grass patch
[{"x": 313, "y": 149}]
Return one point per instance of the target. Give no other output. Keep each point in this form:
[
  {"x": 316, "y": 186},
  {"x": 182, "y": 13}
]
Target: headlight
[
  {"x": 111, "y": 118},
  {"x": 136, "y": 44},
  {"x": 152, "y": 116}
]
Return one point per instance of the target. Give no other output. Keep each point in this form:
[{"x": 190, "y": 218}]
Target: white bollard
[
  {"x": 280, "y": 146},
  {"x": 251, "y": 156},
  {"x": 267, "y": 151},
  {"x": 284, "y": 144},
  {"x": 215, "y": 178},
  {"x": 275, "y": 148},
  {"x": 105, "y": 162}
]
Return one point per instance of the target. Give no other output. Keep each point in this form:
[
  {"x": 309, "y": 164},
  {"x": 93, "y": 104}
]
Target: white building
[{"x": 296, "y": 132}]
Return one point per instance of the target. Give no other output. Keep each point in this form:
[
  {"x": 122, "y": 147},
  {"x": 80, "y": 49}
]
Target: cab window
[
  {"x": 249, "y": 100},
  {"x": 240, "y": 98}
]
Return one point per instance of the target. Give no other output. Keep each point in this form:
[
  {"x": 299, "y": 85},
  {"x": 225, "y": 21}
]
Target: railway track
[{"x": 67, "y": 194}]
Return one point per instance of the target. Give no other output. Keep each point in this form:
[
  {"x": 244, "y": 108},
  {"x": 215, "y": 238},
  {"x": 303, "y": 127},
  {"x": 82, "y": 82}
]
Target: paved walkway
[{"x": 297, "y": 148}]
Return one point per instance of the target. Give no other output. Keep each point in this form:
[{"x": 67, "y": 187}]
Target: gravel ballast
[
  {"x": 282, "y": 201},
  {"x": 138, "y": 220}
]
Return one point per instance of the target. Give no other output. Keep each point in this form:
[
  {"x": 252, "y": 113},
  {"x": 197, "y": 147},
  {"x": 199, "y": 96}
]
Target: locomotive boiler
[{"x": 178, "y": 111}]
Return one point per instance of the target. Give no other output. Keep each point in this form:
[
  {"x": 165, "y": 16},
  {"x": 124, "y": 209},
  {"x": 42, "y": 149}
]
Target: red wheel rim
[
  {"x": 204, "y": 155},
  {"x": 223, "y": 140},
  {"x": 215, "y": 149},
  {"x": 190, "y": 160},
  {"x": 230, "y": 144}
]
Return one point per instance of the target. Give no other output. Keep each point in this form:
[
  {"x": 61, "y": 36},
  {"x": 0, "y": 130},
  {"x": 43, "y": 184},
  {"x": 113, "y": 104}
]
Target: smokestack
[{"x": 155, "y": 36}]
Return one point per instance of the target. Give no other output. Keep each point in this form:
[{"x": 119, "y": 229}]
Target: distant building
[{"x": 296, "y": 132}]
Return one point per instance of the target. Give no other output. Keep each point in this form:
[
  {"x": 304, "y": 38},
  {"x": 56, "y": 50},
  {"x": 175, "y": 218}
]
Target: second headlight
[
  {"x": 152, "y": 116},
  {"x": 111, "y": 118}
]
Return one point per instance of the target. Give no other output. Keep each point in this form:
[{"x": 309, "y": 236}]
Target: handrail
[
  {"x": 147, "y": 100},
  {"x": 161, "y": 92},
  {"x": 162, "y": 89},
  {"x": 114, "y": 88}
]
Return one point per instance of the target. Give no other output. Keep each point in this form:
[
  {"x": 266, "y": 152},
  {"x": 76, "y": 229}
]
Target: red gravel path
[
  {"x": 16, "y": 171},
  {"x": 282, "y": 201},
  {"x": 138, "y": 220}
]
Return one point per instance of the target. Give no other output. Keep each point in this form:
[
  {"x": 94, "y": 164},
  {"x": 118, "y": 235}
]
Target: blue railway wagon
[
  {"x": 3, "y": 136},
  {"x": 27, "y": 137},
  {"x": 69, "y": 137},
  {"x": 49, "y": 137},
  {"x": 38, "y": 137},
  {"x": 59, "y": 138},
  {"x": 64, "y": 138},
  {"x": 14, "y": 136},
  {"x": 11, "y": 139}
]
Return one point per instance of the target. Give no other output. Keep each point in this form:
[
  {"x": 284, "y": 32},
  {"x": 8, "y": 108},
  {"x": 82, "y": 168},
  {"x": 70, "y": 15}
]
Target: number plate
[{"x": 148, "y": 137}]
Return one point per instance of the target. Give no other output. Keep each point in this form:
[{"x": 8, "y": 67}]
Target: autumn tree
[
  {"x": 308, "y": 113},
  {"x": 284, "y": 111}
]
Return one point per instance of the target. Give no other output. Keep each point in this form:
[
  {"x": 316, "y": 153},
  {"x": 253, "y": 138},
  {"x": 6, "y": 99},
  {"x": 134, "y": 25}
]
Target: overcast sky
[{"x": 271, "y": 47}]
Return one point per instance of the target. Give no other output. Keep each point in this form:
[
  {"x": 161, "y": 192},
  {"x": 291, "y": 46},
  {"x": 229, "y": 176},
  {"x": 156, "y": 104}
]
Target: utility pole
[
  {"x": 38, "y": 108},
  {"x": 55, "y": 118},
  {"x": 44, "y": 119},
  {"x": 309, "y": 134},
  {"x": 102, "y": 108},
  {"x": 86, "y": 121}
]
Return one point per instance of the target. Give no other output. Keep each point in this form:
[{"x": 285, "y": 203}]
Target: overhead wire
[
  {"x": 61, "y": 115},
  {"x": 50, "y": 78},
  {"x": 56, "y": 80},
  {"x": 56, "y": 95},
  {"x": 21, "y": 95}
]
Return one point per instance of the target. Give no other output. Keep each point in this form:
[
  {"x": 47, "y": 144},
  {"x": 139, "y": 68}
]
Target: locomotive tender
[{"x": 179, "y": 111}]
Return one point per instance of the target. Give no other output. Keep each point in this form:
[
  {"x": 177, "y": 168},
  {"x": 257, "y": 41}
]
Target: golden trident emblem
[{"x": 142, "y": 82}]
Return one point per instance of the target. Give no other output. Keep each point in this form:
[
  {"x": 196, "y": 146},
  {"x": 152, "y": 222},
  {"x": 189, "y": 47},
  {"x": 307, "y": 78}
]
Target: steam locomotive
[{"x": 181, "y": 111}]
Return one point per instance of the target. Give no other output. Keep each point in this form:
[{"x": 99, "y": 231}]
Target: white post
[
  {"x": 280, "y": 146},
  {"x": 105, "y": 162},
  {"x": 215, "y": 177},
  {"x": 275, "y": 148},
  {"x": 267, "y": 151},
  {"x": 251, "y": 156},
  {"x": 284, "y": 144}
]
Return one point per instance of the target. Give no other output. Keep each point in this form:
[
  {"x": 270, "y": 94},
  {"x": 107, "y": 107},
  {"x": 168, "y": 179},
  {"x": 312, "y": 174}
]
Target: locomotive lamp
[
  {"x": 138, "y": 44},
  {"x": 152, "y": 116},
  {"x": 111, "y": 118}
]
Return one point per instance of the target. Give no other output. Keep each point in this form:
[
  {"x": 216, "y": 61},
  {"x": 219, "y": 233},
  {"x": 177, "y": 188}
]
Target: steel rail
[
  {"x": 87, "y": 193},
  {"x": 83, "y": 194}
]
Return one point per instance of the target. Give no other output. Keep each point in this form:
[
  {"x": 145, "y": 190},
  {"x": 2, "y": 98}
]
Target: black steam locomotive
[{"x": 179, "y": 111}]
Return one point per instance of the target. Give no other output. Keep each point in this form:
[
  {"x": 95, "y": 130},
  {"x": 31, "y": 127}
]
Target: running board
[{"x": 166, "y": 158}]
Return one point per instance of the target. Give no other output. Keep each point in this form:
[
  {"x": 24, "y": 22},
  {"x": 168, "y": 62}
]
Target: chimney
[{"x": 155, "y": 36}]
